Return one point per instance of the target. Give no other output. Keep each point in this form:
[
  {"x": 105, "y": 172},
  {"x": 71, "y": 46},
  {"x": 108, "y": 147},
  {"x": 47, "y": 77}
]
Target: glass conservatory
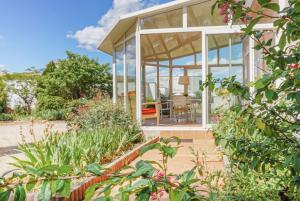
[{"x": 161, "y": 55}]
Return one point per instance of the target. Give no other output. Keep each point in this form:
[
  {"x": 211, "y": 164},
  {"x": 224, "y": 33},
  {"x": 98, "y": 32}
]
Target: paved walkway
[
  {"x": 13, "y": 133},
  {"x": 200, "y": 141}
]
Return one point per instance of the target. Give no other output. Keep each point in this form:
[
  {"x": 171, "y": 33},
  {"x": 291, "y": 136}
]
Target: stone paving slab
[
  {"x": 10, "y": 137},
  {"x": 201, "y": 142}
]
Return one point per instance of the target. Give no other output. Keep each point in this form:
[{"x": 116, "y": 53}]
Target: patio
[{"x": 201, "y": 142}]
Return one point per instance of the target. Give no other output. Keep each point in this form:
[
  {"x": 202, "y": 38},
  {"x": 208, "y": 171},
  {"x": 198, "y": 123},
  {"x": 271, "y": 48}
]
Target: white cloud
[
  {"x": 90, "y": 36},
  {"x": 2, "y": 68}
]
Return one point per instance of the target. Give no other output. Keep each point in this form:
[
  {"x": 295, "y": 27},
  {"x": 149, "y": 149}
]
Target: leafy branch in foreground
[
  {"x": 264, "y": 136},
  {"x": 151, "y": 179},
  {"x": 146, "y": 180}
]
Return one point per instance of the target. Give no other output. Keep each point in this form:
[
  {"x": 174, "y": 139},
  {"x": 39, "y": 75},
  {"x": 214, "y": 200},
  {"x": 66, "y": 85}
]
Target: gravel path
[{"x": 13, "y": 133}]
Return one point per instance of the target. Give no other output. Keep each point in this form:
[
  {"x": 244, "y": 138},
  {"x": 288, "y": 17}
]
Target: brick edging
[{"x": 77, "y": 193}]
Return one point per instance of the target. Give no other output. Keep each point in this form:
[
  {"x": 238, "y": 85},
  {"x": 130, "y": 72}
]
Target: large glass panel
[
  {"x": 164, "y": 82},
  {"x": 231, "y": 56},
  {"x": 151, "y": 83},
  {"x": 170, "y": 19},
  {"x": 200, "y": 15},
  {"x": 259, "y": 62},
  {"x": 195, "y": 77},
  {"x": 131, "y": 76},
  {"x": 120, "y": 73},
  {"x": 178, "y": 89}
]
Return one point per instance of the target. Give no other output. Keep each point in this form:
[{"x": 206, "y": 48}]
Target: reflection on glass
[
  {"x": 231, "y": 57},
  {"x": 120, "y": 73},
  {"x": 259, "y": 62},
  {"x": 164, "y": 82},
  {"x": 195, "y": 77},
  {"x": 151, "y": 83},
  {"x": 131, "y": 76},
  {"x": 178, "y": 89},
  {"x": 170, "y": 19},
  {"x": 200, "y": 15}
]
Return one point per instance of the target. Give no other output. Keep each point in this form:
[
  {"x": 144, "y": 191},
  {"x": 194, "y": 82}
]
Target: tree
[
  {"x": 264, "y": 136},
  {"x": 73, "y": 78},
  {"x": 3, "y": 96},
  {"x": 25, "y": 90}
]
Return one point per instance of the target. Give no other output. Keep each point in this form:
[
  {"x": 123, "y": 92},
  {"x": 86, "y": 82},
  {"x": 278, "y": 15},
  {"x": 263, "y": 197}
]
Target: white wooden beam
[
  {"x": 125, "y": 75},
  {"x": 138, "y": 76},
  {"x": 114, "y": 71},
  {"x": 251, "y": 63},
  {"x": 204, "y": 75}
]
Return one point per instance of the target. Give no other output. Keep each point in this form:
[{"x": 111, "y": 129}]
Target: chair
[
  {"x": 132, "y": 104},
  {"x": 180, "y": 106},
  {"x": 150, "y": 110}
]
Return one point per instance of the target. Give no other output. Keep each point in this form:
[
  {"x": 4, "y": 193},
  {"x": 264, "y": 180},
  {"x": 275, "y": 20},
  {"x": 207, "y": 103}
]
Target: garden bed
[{"x": 77, "y": 193}]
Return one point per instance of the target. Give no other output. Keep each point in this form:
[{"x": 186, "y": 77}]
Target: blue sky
[{"x": 33, "y": 32}]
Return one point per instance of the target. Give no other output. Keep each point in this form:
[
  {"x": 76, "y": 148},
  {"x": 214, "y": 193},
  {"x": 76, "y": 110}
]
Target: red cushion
[{"x": 148, "y": 111}]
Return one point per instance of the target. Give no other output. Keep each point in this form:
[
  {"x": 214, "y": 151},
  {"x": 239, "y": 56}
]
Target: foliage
[
  {"x": 100, "y": 112},
  {"x": 262, "y": 134},
  {"x": 3, "y": 96},
  {"x": 49, "y": 115},
  {"x": 6, "y": 117},
  {"x": 79, "y": 149},
  {"x": 25, "y": 90},
  {"x": 151, "y": 180},
  {"x": 52, "y": 165},
  {"x": 251, "y": 175},
  {"x": 70, "y": 79}
]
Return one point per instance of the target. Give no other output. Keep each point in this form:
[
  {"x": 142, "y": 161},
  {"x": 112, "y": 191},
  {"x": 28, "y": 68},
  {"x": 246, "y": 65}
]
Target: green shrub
[
  {"x": 70, "y": 79},
  {"x": 3, "y": 96},
  {"x": 50, "y": 115},
  {"x": 6, "y": 117},
  {"x": 46, "y": 102},
  {"x": 101, "y": 113}
]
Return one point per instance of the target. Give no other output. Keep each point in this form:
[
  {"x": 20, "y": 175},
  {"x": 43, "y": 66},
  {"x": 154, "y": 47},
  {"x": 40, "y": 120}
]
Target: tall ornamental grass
[{"x": 101, "y": 131}]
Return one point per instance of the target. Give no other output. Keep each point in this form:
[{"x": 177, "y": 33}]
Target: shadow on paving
[{"x": 9, "y": 150}]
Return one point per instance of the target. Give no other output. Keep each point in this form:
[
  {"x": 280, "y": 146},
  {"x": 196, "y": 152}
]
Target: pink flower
[
  {"x": 226, "y": 19},
  {"x": 157, "y": 195},
  {"x": 158, "y": 175}
]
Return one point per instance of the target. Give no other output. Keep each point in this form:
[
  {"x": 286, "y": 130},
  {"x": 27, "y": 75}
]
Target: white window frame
[{"x": 205, "y": 31}]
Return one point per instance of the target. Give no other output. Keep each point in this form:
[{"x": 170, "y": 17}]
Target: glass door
[{"x": 227, "y": 55}]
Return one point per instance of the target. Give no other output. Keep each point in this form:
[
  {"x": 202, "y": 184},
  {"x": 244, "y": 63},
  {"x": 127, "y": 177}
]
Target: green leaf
[
  {"x": 249, "y": 28},
  {"x": 297, "y": 162},
  {"x": 91, "y": 190},
  {"x": 260, "y": 124},
  {"x": 169, "y": 151},
  {"x": 177, "y": 194},
  {"x": 297, "y": 7},
  {"x": 4, "y": 196},
  {"x": 143, "y": 168},
  {"x": 144, "y": 195},
  {"x": 271, "y": 95},
  {"x": 45, "y": 192},
  {"x": 59, "y": 185},
  {"x": 149, "y": 147},
  {"x": 53, "y": 187},
  {"x": 94, "y": 168},
  {"x": 20, "y": 194},
  {"x": 66, "y": 191},
  {"x": 272, "y": 6},
  {"x": 282, "y": 41}
]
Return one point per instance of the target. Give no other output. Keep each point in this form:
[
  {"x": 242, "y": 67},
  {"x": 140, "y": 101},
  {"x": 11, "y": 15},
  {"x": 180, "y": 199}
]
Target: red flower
[{"x": 294, "y": 66}]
